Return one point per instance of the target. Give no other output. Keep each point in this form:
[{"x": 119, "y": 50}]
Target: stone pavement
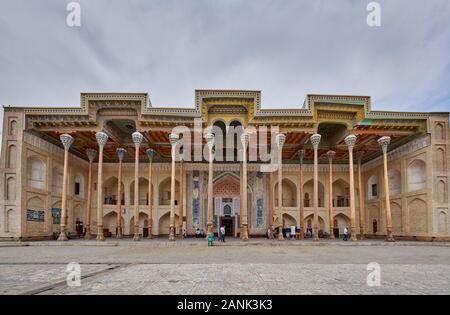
[{"x": 190, "y": 267}]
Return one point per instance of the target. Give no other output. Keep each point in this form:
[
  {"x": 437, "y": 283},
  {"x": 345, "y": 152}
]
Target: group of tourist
[{"x": 271, "y": 234}]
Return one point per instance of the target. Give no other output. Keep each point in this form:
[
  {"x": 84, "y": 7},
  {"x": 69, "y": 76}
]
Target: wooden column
[
  {"x": 350, "y": 141},
  {"x": 241, "y": 203},
  {"x": 270, "y": 201},
  {"x": 102, "y": 138},
  {"x": 120, "y": 154},
  {"x": 174, "y": 138},
  {"x": 210, "y": 219},
  {"x": 180, "y": 201},
  {"x": 150, "y": 154},
  {"x": 384, "y": 143},
  {"x": 244, "y": 140},
  {"x": 66, "y": 141},
  {"x": 330, "y": 155},
  {"x": 137, "y": 140},
  {"x": 362, "y": 215},
  {"x": 301, "y": 155},
  {"x": 91, "y": 156},
  {"x": 315, "y": 141},
  {"x": 280, "y": 139}
]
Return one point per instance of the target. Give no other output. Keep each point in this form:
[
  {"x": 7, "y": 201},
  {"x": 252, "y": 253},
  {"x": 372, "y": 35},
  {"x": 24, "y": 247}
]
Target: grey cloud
[{"x": 285, "y": 48}]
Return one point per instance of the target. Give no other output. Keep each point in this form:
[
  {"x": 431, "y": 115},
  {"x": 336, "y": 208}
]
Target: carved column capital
[
  {"x": 66, "y": 141},
  {"x": 209, "y": 137},
  {"x": 280, "y": 140},
  {"x": 121, "y": 153},
  {"x": 384, "y": 143},
  {"x": 331, "y": 155},
  {"x": 137, "y": 139},
  {"x": 102, "y": 138},
  {"x": 174, "y": 138},
  {"x": 245, "y": 138},
  {"x": 301, "y": 155},
  {"x": 350, "y": 141},
  {"x": 91, "y": 154},
  {"x": 150, "y": 154},
  {"x": 315, "y": 140}
]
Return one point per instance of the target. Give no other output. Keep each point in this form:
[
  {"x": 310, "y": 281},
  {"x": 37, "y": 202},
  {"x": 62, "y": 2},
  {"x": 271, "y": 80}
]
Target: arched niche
[
  {"x": 443, "y": 223},
  {"x": 289, "y": 193},
  {"x": 341, "y": 221},
  {"x": 441, "y": 164},
  {"x": 36, "y": 172},
  {"x": 11, "y": 188},
  {"x": 57, "y": 179},
  {"x": 165, "y": 192},
  {"x": 373, "y": 187},
  {"x": 439, "y": 131},
  {"x": 164, "y": 224},
  {"x": 13, "y": 127},
  {"x": 374, "y": 219},
  {"x": 441, "y": 192},
  {"x": 395, "y": 182},
  {"x": 143, "y": 192},
  {"x": 418, "y": 218},
  {"x": 110, "y": 222},
  {"x": 396, "y": 213},
  {"x": 341, "y": 193},
  {"x": 110, "y": 191},
  {"x": 11, "y": 221},
  {"x": 309, "y": 222},
  {"x": 417, "y": 175},
  {"x": 79, "y": 185},
  {"x": 11, "y": 156},
  {"x": 308, "y": 193}
]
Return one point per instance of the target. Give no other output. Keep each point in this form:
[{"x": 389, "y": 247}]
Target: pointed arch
[
  {"x": 417, "y": 175},
  {"x": 289, "y": 193},
  {"x": 418, "y": 219}
]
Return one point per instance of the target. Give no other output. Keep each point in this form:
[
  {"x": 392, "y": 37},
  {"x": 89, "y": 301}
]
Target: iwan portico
[{"x": 397, "y": 187}]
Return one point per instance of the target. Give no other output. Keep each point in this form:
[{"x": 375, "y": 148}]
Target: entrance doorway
[{"x": 228, "y": 223}]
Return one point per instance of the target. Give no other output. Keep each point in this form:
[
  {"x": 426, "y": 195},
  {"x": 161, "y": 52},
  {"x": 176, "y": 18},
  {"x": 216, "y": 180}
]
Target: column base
[
  {"x": 353, "y": 238},
  {"x": 150, "y": 233},
  {"x": 180, "y": 235},
  {"x": 244, "y": 235},
  {"x": 136, "y": 237},
  {"x": 171, "y": 234},
  {"x": 362, "y": 234},
  {"x": 315, "y": 233},
  {"x": 280, "y": 234},
  {"x": 62, "y": 237},
  {"x": 87, "y": 234},
  {"x": 119, "y": 233},
  {"x": 332, "y": 237},
  {"x": 100, "y": 237}
]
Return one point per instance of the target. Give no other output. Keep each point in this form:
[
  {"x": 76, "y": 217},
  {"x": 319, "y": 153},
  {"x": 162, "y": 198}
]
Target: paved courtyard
[{"x": 258, "y": 267}]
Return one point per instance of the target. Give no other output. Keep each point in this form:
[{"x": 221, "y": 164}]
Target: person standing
[
  {"x": 346, "y": 234},
  {"x": 222, "y": 233}
]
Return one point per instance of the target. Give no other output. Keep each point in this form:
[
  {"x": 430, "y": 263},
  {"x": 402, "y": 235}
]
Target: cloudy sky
[{"x": 169, "y": 48}]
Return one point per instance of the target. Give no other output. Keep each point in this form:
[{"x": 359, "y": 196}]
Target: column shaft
[
  {"x": 280, "y": 195},
  {"x": 389, "y": 235},
  {"x": 316, "y": 197},
  {"x": 89, "y": 203},
  {"x": 100, "y": 236},
  {"x": 180, "y": 201},
  {"x": 150, "y": 202},
  {"x": 352, "y": 197},
  {"x": 330, "y": 198},
  {"x": 172, "y": 199},
  {"x": 63, "y": 220},
  {"x": 302, "y": 204},
  {"x": 136, "y": 236},
  {"x": 119, "y": 202},
  {"x": 362, "y": 216}
]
